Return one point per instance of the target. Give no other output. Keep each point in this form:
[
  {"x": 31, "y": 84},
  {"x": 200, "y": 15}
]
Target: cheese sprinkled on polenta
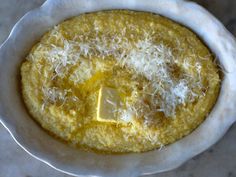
[{"x": 120, "y": 81}]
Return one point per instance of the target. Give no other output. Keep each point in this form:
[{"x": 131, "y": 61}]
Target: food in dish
[{"x": 120, "y": 81}]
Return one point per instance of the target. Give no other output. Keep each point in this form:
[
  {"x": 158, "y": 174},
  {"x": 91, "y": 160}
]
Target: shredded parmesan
[
  {"x": 155, "y": 61},
  {"x": 54, "y": 95}
]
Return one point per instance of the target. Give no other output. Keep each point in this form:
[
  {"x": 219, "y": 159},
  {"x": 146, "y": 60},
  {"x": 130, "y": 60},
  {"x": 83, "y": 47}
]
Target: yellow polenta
[{"x": 119, "y": 81}]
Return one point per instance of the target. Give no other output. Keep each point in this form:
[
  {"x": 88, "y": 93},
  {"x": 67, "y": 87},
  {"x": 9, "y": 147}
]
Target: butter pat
[{"x": 108, "y": 105}]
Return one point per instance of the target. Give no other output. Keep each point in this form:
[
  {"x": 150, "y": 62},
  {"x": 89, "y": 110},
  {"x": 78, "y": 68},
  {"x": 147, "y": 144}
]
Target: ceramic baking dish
[{"x": 34, "y": 140}]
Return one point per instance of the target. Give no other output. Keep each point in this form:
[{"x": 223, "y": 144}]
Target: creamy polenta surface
[{"x": 119, "y": 81}]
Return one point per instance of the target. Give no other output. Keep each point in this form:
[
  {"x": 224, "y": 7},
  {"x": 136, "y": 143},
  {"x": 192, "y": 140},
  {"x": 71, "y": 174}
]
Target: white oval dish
[{"x": 38, "y": 143}]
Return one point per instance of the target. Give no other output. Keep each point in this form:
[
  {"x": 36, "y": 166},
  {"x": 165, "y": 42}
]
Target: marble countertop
[{"x": 218, "y": 161}]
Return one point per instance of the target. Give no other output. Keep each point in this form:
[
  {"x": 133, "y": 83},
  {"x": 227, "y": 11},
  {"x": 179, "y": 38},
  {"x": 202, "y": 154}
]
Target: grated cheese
[
  {"x": 54, "y": 95},
  {"x": 154, "y": 61}
]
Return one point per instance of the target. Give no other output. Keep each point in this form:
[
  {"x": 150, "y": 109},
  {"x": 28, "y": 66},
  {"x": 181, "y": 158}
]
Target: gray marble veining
[{"x": 219, "y": 161}]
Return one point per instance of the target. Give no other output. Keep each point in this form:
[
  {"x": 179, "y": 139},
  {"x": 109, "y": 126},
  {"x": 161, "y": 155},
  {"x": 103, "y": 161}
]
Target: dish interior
[{"x": 120, "y": 81}]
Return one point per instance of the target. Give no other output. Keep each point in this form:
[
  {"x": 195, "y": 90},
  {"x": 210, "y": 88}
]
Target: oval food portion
[{"x": 120, "y": 81}]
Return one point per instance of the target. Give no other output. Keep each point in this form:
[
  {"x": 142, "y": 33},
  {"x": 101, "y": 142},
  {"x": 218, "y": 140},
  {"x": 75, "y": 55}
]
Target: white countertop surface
[{"x": 218, "y": 161}]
